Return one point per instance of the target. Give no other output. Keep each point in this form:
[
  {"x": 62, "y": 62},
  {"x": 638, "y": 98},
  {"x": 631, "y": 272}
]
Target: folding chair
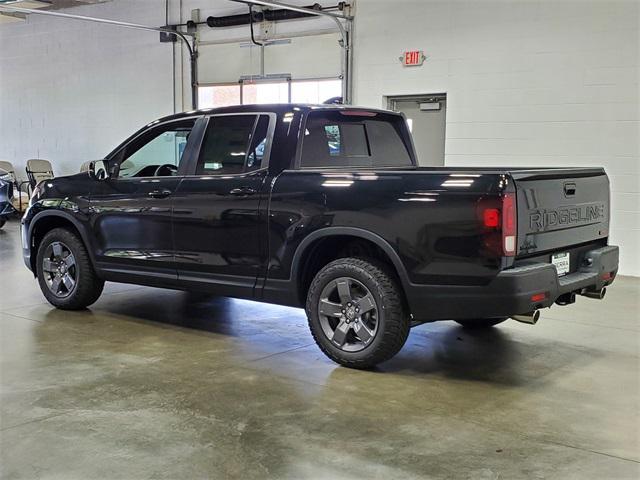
[
  {"x": 85, "y": 166},
  {"x": 6, "y": 168},
  {"x": 37, "y": 171}
]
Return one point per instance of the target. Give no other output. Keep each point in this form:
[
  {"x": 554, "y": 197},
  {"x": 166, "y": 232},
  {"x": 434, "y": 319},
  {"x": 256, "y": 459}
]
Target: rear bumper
[{"x": 511, "y": 290}]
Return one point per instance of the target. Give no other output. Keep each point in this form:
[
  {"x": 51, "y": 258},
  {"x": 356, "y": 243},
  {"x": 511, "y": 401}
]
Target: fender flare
[
  {"x": 353, "y": 232},
  {"x": 67, "y": 216}
]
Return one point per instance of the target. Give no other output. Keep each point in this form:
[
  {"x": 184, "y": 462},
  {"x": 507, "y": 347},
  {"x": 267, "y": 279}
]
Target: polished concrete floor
[{"x": 158, "y": 384}]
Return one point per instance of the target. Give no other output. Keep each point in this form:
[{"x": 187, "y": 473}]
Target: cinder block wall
[
  {"x": 70, "y": 91},
  {"x": 528, "y": 83}
]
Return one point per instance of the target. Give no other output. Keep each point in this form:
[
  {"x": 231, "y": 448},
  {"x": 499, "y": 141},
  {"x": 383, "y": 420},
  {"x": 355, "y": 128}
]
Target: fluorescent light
[
  {"x": 419, "y": 199},
  {"x": 457, "y": 183},
  {"x": 337, "y": 183}
]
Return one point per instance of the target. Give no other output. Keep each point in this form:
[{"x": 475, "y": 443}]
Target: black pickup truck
[{"x": 326, "y": 208}]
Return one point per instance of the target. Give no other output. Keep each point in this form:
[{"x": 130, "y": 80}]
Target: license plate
[{"x": 561, "y": 262}]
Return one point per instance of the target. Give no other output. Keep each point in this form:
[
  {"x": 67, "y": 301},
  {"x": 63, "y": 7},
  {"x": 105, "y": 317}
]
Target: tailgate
[{"x": 558, "y": 208}]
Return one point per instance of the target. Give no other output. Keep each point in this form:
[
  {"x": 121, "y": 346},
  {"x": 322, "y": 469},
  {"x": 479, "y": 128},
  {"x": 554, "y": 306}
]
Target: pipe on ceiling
[{"x": 268, "y": 15}]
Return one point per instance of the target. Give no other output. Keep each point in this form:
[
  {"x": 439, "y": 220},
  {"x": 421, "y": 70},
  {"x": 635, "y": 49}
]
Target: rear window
[{"x": 342, "y": 139}]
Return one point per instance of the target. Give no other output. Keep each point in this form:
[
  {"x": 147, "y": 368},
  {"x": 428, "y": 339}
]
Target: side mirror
[{"x": 98, "y": 170}]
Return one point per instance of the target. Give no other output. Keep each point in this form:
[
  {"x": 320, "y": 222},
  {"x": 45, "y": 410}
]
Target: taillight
[
  {"x": 491, "y": 217},
  {"x": 509, "y": 224},
  {"x": 498, "y": 217}
]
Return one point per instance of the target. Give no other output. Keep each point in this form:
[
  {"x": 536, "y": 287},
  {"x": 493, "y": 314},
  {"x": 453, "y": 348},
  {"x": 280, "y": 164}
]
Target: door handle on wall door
[
  {"x": 243, "y": 191},
  {"x": 160, "y": 193}
]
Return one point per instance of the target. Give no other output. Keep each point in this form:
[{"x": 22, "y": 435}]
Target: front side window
[
  {"x": 157, "y": 152},
  {"x": 233, "y": 144}
]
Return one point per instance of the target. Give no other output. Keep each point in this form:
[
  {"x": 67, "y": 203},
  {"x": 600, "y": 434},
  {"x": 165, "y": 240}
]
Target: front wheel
[
  {"x": 356, "y": 312},
  {"x": 479, "y": 323},
  {"x": 65, "y": 274}
]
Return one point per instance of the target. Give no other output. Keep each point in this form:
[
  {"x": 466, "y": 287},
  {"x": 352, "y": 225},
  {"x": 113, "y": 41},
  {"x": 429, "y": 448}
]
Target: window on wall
[
  {"x": 302, "y": 91},
  {"x": 265, "y": 93},
  {"x": 218, "y": 96},
  {"x": 315, "y": 91}
]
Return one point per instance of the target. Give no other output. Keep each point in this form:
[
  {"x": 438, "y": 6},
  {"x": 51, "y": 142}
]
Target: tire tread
[
  {"x": 89, "y": 286},
  {"x": 396, "y": 320}
]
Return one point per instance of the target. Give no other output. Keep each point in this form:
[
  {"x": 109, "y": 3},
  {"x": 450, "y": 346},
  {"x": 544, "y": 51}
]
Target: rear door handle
[
  {"x": 242, "y": 191},
  {"x": 160, "y": 193}
]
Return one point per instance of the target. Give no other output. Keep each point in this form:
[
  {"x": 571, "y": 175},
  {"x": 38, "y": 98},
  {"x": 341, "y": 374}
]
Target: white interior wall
[
  {"x": 545, "y": 83},
  {"x": 70, "y": 91},
  {"x": 528, "y": 83}
]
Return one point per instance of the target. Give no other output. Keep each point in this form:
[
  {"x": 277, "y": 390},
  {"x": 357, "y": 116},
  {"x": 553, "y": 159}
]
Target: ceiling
[{"x": 44, "y": 4}]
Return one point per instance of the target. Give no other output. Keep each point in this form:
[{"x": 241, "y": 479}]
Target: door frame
[{"x": 390, "y": 101}]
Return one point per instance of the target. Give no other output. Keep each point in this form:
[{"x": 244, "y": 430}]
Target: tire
[
  {"x": 480, "y": 323},
  {"x": 2, "y": 222},
  {"x": 375, "y": 321},
  {"x": 66, "y": 256}
]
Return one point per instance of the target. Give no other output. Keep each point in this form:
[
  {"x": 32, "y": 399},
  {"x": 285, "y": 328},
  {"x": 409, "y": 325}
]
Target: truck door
[
  {"x": 130, "y": 213},
  {"x": 219, "y": 228}
]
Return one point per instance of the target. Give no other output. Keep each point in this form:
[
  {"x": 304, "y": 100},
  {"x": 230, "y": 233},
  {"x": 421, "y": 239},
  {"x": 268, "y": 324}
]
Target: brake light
[
  {"x": 509, "y": 224},
  {"x": 491, "y": 217},
  {"x": 358, "y": 113},
  {"x": 497, "y": 216}
]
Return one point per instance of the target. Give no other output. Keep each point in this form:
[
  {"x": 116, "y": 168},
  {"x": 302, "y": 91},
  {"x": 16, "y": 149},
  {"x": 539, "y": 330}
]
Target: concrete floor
[{"x": 158, "y": 384}]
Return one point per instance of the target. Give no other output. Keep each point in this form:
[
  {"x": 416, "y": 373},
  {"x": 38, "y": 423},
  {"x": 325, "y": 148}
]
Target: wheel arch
[
  {"x": 302, "y": 255},
  {"x": 44, "y": 222}
]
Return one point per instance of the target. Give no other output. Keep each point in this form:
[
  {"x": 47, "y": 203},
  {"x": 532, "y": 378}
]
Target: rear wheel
[
  {"x": 356, "y": 312},
  {"x": 479, "y": 323},
  {"x": 65, "y": 274}
]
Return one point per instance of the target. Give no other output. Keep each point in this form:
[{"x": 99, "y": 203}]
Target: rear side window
[
  {"x": 233, "y": 144},
  {"x": 341, "y": 139}
]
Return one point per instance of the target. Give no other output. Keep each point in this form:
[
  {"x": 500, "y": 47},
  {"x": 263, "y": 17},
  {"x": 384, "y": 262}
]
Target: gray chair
[
  {"x": 85, "y": 166},
  {"x": 6, "y": 168},
  {"x": 38, "y": 170}
]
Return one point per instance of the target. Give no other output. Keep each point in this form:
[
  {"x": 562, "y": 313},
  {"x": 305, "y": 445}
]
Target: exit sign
[{"x": 413, "y": 58}]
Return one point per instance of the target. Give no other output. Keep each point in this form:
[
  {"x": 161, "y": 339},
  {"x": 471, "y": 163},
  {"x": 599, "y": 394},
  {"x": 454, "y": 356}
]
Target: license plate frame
[{"x": 562, "y": 262}]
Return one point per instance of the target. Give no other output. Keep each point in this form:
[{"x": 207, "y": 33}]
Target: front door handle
[
  {"x": 160, "y": 193},
  {"x": 242, "y": 191}
]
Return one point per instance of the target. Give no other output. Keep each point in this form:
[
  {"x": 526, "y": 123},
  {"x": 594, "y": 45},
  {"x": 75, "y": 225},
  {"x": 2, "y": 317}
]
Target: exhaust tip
[
  {"x": 566, "y": 299},
  {"x": 598, "y": 294},
  {"x": 530, "y": 318}
]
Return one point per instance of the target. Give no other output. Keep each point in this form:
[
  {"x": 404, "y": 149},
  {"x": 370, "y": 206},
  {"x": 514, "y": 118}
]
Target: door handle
[
  {"x": 569, "y": 189},
  {"x": 160, "y": 193},
  {"x": 242, "y": 191}
]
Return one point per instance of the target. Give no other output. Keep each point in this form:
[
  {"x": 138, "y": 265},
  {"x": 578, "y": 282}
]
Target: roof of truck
[{"x": 277, "y": 108}]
